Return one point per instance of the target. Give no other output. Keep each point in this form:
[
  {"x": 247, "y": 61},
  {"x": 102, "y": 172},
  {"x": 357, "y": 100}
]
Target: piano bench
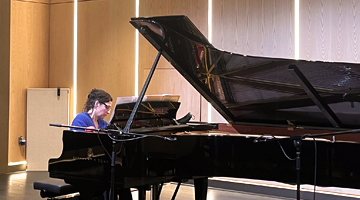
[{"x": 54, "y": 188}]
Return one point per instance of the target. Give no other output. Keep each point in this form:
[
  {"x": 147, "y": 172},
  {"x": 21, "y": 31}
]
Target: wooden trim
[
  {"x": 65, "y": 1},
  {"x": 34, "y": 1},
  {"x": 4, "y": 81},
  {"x": 16, "y": 168}
]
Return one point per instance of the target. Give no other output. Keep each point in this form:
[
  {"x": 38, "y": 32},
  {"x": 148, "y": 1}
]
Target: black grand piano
[{"x": 260, "y": 97}]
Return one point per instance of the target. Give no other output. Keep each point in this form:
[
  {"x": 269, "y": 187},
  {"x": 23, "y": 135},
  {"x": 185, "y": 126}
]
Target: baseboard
[
  {"x": 282, "y": 190},
  {"x": 15, "y": 168}
]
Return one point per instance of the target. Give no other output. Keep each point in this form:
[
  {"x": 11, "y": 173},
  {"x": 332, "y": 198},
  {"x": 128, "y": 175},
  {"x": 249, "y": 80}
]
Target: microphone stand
[
  {"x": 298, "y": 146},
  {"x": 112, "y": 179},
  {"x": 113, "y": 152},
  {"x": 126, "y": 130}
]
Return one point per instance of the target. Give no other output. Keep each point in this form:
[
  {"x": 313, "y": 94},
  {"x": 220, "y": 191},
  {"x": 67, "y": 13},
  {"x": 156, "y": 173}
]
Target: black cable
[
  {"x": 315, "y": 167},
  {"x": 138, "y": 136},
  {"x": 315, "y": 162},
  {"x": 126, "y": 140},
  {"x": 282, "y": 149},
  {"x": 315, "y": 156},
  {"x": 98, "y": 135},
  {"x": 262, "y": 138}
]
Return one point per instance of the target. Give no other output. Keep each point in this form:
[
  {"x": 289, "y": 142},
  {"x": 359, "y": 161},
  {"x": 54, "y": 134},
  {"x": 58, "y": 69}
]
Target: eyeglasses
[{"x": 106, "y": 106}]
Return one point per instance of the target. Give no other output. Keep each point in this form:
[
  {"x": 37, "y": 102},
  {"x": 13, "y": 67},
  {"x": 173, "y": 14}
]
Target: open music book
[{"x": 147, "y": 98}]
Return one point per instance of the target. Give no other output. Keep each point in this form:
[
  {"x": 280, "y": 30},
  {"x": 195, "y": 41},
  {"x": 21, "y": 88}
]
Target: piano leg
[
  {"x": 201, "y": 185},
  {"x": 91, "y": 191},
  {"x": 142, "y": 193},
  {"x": 125, "y": 194},
  {"x": 155, "y": 189}
]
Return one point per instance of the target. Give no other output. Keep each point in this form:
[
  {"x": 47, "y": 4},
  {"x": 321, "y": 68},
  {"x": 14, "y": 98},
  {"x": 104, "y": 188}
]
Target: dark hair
[{"x": 96, "y": 94}]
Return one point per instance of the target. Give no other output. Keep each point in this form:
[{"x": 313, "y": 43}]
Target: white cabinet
[{"x": 45, "y": 106}]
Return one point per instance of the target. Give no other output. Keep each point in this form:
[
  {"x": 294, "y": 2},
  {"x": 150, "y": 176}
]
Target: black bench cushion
[{"x": 54, "y": 187}]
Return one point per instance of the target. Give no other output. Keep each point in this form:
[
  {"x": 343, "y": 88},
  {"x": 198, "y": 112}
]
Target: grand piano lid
[{"x": 258, "y": 90}]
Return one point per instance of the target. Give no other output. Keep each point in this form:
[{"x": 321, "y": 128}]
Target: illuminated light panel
[
  {"x": 210, "y": 20},
  {"x": 297, "y": 28},
  {"x": 75, "y": 57},
  {"x": 210, "y": 40},
  {"x": 137, "y": 52},
  {"x": 17, "y": 163}
]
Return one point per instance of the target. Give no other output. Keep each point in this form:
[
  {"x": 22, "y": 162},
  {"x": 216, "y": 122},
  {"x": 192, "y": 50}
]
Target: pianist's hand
[{"x": 88, "y": 130}]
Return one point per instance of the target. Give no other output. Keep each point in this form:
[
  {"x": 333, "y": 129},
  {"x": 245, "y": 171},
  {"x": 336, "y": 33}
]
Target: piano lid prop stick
[{"x": 142, "y": 93}]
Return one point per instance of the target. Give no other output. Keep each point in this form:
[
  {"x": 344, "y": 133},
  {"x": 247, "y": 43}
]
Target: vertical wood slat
[
  {"x": 257, "y": 27},
  {"x": 61, "y": 48},
  {"x": 29, "y": 59},
  {"x": 106, "y": 46}
]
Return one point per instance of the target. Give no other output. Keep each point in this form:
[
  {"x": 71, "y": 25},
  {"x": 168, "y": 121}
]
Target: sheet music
[{"x": 154, "y": 97}]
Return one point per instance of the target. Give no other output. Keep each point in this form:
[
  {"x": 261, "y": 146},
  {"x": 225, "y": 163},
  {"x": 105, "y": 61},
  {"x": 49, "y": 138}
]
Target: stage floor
[{"x": 19, "y": 186}]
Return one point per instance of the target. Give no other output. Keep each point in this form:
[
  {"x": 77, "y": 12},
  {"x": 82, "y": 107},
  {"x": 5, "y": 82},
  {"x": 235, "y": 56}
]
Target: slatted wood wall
[{"x": 42, "y": 44}]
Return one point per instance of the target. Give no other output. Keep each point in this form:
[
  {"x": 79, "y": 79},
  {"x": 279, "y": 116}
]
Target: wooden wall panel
[
  {"x": 167, "y": 79},
  {"x": 256, "y": 27},
  {"x": 195, "y": 10},
  {"x": 29, "y": 65},
  {"x": 4, "y": 82},
  {"x": 330, "y": 31},
  {"x": 61, "y": 48},
  {"x": 106, "y": 48}
]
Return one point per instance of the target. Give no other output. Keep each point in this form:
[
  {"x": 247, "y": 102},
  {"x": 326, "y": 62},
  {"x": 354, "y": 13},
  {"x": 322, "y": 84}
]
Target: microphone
[
  {"x": 57, "y": 125},
  {"x": 263, "y": 138},
  {"x": 170, "y": 139}
]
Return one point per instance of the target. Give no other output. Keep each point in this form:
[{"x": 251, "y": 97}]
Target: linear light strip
[
  {"x": 75, "y": 56},
  {"x": 210, "y": 40},
  {"x": 210, "y": 20},
  {"x": 17, "y": 163},
  {"x": 137, "y": 51},
  {"x": 297, "y": 29}
]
